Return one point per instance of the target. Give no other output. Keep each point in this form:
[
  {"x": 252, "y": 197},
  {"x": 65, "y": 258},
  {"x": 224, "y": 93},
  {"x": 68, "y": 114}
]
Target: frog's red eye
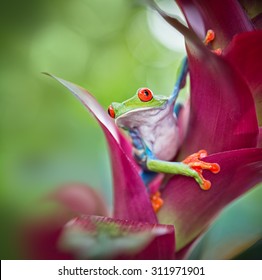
[
  {"x": 111, "y": 111},
  {"x": 145, "y": 94}
]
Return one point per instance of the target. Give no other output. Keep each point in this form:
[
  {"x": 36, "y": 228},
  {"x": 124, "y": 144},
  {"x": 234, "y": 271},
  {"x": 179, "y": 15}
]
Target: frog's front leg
[{"x": 192, "y": 166}]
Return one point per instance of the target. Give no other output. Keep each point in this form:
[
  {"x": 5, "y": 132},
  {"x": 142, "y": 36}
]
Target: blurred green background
[{"x": 47, "y": 136}]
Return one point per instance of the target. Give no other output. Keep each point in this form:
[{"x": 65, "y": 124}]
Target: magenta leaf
[
  {"x": 131, "y": 200},
  {"x": 94, "y": 237},
  {"x": 244, "y": 53},
  {"x": 223, "y": 115},
  {"x": 191, "y": 209},
  {"x": 225, "y": 17},
  {"x": 239, "y": 225},
  {"x": 38, "y": 236}
]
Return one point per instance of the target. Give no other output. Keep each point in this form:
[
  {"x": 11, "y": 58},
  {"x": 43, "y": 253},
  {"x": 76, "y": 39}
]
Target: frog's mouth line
[{"x": 163, "y": 107}]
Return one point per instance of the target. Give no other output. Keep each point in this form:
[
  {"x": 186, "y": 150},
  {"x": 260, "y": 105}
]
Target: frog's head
[{"x": 141, "y": 105}]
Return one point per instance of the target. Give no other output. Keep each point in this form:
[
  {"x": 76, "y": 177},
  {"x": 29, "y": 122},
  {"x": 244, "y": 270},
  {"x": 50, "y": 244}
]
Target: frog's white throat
[{"x": 157, "y": 127}]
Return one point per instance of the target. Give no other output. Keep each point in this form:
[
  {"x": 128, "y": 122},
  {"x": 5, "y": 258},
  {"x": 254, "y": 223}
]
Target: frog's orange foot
[
  {"x": 194, "y": 162},
  {"x": 210, "y": 36},
  {"x": 156, "y": 201}
]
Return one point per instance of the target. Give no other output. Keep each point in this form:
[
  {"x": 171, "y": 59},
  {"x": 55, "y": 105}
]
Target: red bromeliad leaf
[
  {"x": 191, "y": 209},
  {"x": 40, "y": 235},
  {"x": 131, "y": 200},
  {"x": 223, "y": 115},
  {"x": 239, "y": 225},
  {"x": 225, "y": 17},
  {"x": 93, "y": 237},
  {"x": 244, "y": 53}
]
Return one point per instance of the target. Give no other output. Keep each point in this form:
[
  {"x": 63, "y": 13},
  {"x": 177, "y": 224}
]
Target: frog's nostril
[{"x": 111, "y": 111}]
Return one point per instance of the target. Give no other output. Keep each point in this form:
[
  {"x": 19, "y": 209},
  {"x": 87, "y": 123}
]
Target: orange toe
[{"x": 156, "y": 201}]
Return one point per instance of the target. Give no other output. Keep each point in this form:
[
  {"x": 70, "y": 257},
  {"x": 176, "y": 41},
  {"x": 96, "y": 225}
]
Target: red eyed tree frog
[{"x": 151, "y": 122}]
